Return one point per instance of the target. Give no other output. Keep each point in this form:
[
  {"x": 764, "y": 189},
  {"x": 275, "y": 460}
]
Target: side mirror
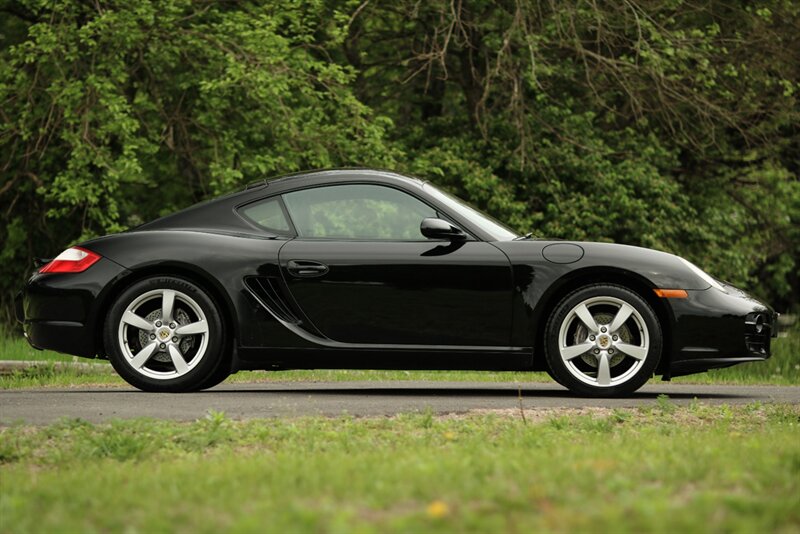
[{"x": 433, "y": 228}]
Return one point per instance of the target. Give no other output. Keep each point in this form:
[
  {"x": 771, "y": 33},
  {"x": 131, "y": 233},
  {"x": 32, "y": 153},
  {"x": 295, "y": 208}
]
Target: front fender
[{"x": 540, "y": 282}]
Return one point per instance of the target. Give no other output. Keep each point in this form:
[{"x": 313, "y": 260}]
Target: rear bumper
[
  {"x": 19, "y": 314},
  {"x": 717, "y": 329},
  {"x": 62, "y": 312},
  {"x": 19, "y": 310}
]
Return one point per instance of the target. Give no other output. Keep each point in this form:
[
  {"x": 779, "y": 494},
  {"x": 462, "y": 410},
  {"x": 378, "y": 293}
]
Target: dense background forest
[{"x": 663, "y": 123}]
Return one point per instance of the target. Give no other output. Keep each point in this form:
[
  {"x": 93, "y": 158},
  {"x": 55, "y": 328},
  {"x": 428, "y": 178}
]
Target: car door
[{"x": 362, "y": 273}]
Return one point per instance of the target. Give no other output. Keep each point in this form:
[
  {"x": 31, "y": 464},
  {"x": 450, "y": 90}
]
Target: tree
[
  {"x": 114, "y": 113},
  {"x": 659, "y": 123},
  {"x": 667, "y": 124}
]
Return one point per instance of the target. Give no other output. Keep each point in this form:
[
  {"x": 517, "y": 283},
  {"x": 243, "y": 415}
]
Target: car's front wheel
[
  {"x": 603, "y": 340},
  {"x": 165, "y": 334}
]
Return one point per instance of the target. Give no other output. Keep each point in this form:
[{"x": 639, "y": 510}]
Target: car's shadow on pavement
[
  {"x": 466, "y": 392},
  {"x": 452, "y": 391}
]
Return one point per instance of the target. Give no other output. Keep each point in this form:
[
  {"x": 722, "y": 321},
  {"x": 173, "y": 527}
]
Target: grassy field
[
  {"x": 663, "y": 468},
  {"x": 660, "y": 469},
  {"x": 783, "y": 369}
]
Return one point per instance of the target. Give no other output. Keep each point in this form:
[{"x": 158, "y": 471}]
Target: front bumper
[
  {"x": 62, "y": 312},
  {"x": 715, "y": 329}
]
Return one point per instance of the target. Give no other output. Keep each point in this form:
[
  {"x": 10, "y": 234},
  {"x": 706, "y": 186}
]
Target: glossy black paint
[
  {"x": 447, "y": 303},
  {"x": 60, "y": 310},
  {"x": 433, "y": 228},
  {"x": 418, "y": 293}
]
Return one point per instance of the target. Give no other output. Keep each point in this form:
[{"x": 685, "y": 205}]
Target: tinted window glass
[
  {"x": 357, "y": 212},
  {"x": 267, "y": 214},
  {"x": 491, "y": 226}
]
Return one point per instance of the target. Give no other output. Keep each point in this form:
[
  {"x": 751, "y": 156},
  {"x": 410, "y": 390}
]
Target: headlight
[{"x": 702, "y": 274}]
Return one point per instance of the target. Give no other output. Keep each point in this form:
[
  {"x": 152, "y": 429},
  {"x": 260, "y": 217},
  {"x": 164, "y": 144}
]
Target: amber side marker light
[{"x": 672, "y": 293}]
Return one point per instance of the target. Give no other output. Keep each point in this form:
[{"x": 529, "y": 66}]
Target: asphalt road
[{"x": 246, "y": 401}]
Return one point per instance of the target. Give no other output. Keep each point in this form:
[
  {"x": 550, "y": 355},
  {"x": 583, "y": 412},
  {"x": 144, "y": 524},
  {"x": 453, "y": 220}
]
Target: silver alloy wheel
[
  {"x": 175, "y": 330},
  {"x": 603, "y": 338}
]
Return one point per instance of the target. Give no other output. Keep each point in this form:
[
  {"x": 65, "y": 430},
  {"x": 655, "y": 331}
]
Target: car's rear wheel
[
  {"x": 603, "y": 340},
  {"x": 165, "y": 334}
]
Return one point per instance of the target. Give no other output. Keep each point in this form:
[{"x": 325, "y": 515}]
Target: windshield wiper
[{"x": 526, "y": 236}]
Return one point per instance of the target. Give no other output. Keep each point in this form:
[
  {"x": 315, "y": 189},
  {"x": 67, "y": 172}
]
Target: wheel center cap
[
  {"x": 163, "y": 334},
  {"x": 603, "y": 342}
]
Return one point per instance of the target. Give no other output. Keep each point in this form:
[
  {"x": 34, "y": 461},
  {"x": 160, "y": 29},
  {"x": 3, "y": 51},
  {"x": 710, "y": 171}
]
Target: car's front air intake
[{"x": 758, "y": 329}]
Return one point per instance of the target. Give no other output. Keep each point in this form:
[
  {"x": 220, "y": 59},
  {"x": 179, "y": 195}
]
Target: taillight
[{"x": 72, "y": 260}]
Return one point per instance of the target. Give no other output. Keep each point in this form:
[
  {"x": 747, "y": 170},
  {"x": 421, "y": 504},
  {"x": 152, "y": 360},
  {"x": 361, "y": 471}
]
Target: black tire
[
  {"x": 222, "y": 372},
  {"x": 633, "y": 373},
  {"x": 212, "y": 365}
]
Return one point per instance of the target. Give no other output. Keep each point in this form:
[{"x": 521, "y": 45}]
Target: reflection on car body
[{"x": 372, "y": 269}]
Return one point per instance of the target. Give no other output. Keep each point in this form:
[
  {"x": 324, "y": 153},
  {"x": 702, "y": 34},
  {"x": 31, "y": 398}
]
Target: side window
[
  {"x": 267, "y": 214},
  {"x": 357, "y": 212}
]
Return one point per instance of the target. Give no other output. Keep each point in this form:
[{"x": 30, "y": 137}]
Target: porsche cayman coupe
[{"x": 374, "y": 270}]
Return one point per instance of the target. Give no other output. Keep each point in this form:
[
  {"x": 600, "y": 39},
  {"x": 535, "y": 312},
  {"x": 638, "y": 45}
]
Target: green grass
[
  {"x": 659, "y": 469},
  {"x": 782, "y": 369}
]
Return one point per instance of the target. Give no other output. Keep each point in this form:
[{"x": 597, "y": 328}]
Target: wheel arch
[
  {"x": 603, "y": 275},
  {"x": 200, "y": 277}
]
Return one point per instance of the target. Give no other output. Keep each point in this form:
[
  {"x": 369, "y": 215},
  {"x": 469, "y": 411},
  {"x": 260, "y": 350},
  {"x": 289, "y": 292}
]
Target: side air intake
[{"x": 267, "y": 290}]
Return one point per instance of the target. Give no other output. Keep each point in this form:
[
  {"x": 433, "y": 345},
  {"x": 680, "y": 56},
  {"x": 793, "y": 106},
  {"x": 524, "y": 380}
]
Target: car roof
[
  {"x": 340, "y": 172},
  {"x": 216, "y": 212}
]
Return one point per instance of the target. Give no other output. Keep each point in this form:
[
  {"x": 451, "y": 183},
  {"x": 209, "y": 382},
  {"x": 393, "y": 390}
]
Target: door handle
[{"x": 306, "y": 268}]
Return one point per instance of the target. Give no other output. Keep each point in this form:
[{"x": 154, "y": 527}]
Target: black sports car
[{"x": 371, "y": 269}]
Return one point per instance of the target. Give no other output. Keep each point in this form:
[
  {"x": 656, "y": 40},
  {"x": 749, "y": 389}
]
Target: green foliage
[
  {"x": 659, "y": 124},
  {"x": 664, "y": 405},
  {"x": 118, "y": 112}
]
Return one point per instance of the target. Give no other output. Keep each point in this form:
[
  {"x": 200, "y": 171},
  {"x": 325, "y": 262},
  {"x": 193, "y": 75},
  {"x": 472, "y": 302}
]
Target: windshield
[{"x": 497, "y": 230}]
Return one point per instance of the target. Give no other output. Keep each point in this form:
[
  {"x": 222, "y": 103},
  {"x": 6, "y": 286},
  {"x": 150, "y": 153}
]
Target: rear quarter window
[{"x": 267, "y": 214}]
